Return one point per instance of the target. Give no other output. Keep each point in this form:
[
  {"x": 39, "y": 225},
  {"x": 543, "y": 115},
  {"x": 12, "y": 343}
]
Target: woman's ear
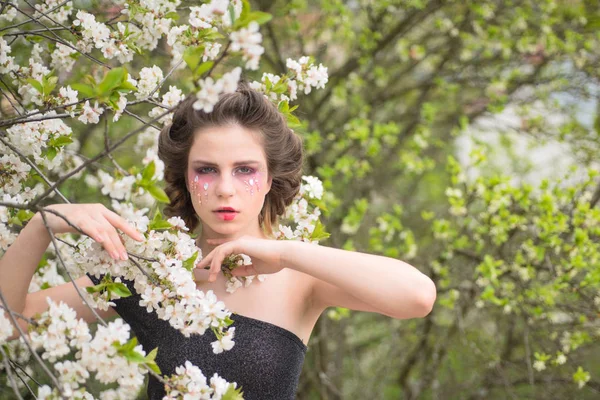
[{"x": 269, "y": 183}]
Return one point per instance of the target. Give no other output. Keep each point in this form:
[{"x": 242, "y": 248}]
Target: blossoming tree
[{"x": 72, "y": 76}]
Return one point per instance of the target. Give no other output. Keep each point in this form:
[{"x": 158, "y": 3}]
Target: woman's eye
[
  {"x": 206, "y": 170},
  {"x": 248, "y": 170}
]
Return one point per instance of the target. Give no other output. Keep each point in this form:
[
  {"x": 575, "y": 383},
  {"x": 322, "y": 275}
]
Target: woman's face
[{"x": 227, "y": 168}]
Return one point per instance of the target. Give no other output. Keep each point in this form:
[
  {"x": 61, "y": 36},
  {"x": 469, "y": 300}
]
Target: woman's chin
[{"x": 224, "y": 228}]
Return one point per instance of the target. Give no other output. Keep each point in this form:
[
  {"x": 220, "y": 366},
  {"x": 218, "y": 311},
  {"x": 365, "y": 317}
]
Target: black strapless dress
[{"x": 265, "y": 361}]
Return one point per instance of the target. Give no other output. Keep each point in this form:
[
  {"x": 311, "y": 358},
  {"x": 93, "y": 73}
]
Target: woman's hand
[
  {"x": 264, "y": 253},
  {"x": 96, "y": 221}
]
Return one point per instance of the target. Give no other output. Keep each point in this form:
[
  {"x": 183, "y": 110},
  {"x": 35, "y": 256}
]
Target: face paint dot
[
  {"x": 205, "y": 186},
  {"x": 251, "y": 181}
]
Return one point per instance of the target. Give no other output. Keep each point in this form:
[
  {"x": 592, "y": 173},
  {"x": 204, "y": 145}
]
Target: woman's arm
[
  {"x": 347, "y": 278},
  {"x": 20, "y": 261}
]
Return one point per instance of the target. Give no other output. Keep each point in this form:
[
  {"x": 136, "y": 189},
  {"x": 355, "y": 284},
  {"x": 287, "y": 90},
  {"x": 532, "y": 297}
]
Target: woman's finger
[
  {"x": 215, "y": 266},
  {"x": 205, "y": 260},
  {"x": 117, "y": 248},
  {"x": 200, "y": 275},
  {"x": 244, "y": 270},
  {"x": 119, "y": 222}
]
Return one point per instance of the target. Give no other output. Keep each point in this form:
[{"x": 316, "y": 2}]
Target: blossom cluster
[
  {"x": 190, "y": 382},
  {"x": 303, "y": 76},
  {"x": 161, "y": 273},
  {"x": 58, "y": 332},
  {"x": 209, "y": 16},
  {"x": 151, "y": 20},
  {"x": 35, "y": 139},
  {"x": 210, "y": 90},
  {"x": 301, "y": 213},
  {"x": 97, "y": 35}
]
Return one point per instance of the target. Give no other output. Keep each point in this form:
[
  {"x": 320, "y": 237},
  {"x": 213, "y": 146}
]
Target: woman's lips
[{"x": 226, "y": 215}]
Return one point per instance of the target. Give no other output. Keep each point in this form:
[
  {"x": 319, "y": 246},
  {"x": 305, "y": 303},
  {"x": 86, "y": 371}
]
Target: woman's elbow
[{"x": 428, "y": 296}]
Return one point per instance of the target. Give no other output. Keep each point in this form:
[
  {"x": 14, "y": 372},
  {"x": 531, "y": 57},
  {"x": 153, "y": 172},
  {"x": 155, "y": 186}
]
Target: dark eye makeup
[{"x": 244, "y": 170}]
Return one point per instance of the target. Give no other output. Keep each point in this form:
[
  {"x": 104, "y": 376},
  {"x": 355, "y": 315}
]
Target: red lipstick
[{"x": 226, "y": 213}]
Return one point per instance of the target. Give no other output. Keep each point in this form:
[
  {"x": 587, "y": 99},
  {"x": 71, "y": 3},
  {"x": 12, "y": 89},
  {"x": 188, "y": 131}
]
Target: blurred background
[
  {"x": 457, "y": 136},
  {"x": 460, "y": 137}
]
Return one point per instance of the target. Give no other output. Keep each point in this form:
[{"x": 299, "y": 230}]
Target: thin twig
[
  {"x": 58, "y": 39},
  {"x": 25, "y": 372},
  {"x": 42, "y": 118},
  {"x": 164, "y": 79},
  {"x": 107, "y": 145},
  {"x": 32, "y": 165},
  {"x": 17, "y": 120},
  {"x": 10, "y": 101},
  {"x": 13, "y": 383},
  {"x": 13, "y": 363},
  {"x": 24, "y": 318},
  {"x": 42, "y": 213},
  {"x": 103, "y": 153},
  {"x": 13, "y": 95},
  {"x": 33, "y": 352}
]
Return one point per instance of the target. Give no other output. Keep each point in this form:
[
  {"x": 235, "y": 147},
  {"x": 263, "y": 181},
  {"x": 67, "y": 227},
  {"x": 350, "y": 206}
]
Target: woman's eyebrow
[{"x": 215, "y": 165}]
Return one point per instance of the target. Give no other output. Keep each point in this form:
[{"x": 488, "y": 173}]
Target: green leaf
[
  {"x": 283, "y": 106},
  {"x": 260, "y": 17},
  {"x": 130, "y": 345},
  {"x": 51, "y": 153},
  {"x": 319, "y": 203},
  {"x": 119, "y": 288},
  {"x": 113, "y": 79},
  {"x": 292, "y": 120},
  {"x": 202, "y": 68},
  {"x": 157, "y": 216},
  {"x": 135, "y": 357},
  {"x": 160, "y": 225},
  {"x": 154, "y": 367},
  {"x": 149, "y": 171},
  {"x": 172, "y": 15},
  {"x": 97, "y": 288},
  {"x": 192, "y": 56},
  {"x": 86, "y": 90},
  {"x": 152, "y": 355},
  {"x": 24, "y": 215},
  {"x": 319, "y": 232},
  {"x": 50, "y": 84},
  {"x": 158, "y": 193},
  {"x": 189, "y": 263},
  {"x": 36, "y": 84},
  {"x": 15, "y": 221},
  {"x": 233, "y": 393},
  {"x": 90, "y": 80},
  {"x": 209, "y": 35},
  {"x": 245, "y": 9},
  {"x": 231, "y": 14},
  {"x": 60, "y": 141},
  {"x": 126, "y": 86}
]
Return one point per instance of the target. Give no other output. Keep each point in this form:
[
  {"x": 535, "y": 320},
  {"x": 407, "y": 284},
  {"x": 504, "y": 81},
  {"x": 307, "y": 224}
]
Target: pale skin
[{"x": 303, "y": 279}]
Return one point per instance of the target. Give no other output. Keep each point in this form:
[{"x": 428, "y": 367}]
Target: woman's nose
[{"x": 225, "y": 186}]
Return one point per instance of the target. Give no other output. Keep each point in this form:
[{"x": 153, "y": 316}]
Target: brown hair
[{"x": 252, "y": 110}]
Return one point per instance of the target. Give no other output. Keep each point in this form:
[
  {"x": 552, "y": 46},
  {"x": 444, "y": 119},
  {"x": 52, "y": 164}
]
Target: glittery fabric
[{"x": 265, "y": 361}]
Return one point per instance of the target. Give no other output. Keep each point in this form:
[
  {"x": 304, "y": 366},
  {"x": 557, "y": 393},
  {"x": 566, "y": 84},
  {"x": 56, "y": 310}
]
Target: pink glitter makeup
[
  {"x": 200, "y": 182},
  {"x": 251, "y": 182}
]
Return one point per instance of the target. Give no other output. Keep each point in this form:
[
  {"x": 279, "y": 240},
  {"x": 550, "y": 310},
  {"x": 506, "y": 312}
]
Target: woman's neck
[{"x": 207, "y": 248}]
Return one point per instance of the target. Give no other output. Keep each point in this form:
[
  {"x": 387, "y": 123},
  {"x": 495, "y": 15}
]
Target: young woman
[{"x": 241, "y": 157}]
